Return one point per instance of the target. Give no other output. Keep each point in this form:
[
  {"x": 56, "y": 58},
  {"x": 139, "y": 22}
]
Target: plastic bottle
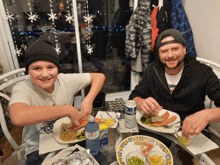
[{"x": 92, "y": 136}]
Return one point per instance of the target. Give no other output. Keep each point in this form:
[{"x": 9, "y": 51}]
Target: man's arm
[
  {"x": 196, "y": 122},
  {"x": 22, "y": 114},
  {"x": 97, "y": 81}
]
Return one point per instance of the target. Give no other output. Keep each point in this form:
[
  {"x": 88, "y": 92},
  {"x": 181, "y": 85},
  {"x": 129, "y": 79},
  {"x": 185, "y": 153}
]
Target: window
[{"x": 101, "y": 29}]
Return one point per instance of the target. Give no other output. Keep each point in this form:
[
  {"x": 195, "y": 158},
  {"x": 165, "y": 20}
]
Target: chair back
[
  {"x": 216, "y": 69},
  {"x": 213, "y": 127},
  {"x": 7, "y": 80}
]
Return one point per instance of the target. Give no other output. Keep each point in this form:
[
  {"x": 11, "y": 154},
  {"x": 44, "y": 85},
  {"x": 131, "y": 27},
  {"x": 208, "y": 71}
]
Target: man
[
  {"x": 36, "y": 103},
  {"x": 178, "y": 82}
]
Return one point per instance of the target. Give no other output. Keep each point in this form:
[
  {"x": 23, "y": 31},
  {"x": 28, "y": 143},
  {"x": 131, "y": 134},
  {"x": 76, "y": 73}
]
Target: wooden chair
[{"x": 7, "y": 81}]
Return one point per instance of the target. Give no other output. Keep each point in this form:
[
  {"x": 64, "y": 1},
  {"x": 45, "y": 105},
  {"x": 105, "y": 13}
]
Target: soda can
[
  {"x": 130, "y": 114},
  {"x": 122, "y": 112},
  {"x": 117, "y": 109}
]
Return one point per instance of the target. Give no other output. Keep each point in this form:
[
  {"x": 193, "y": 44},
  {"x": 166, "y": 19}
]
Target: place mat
[
  {"x": 124, "y": 129},
  {"x": 48, "y": 144},
  {"x": 201, "y": 144},
  {"x": 98, "y": 115}
]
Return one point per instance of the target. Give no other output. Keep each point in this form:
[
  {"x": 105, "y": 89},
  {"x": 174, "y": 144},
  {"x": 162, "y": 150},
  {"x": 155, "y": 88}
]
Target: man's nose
[{"x": 170, "y": 54}]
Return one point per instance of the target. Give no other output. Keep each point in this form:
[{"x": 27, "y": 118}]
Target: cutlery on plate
[
  {"x": 109, "y": 114},
  {"x": 172, "y": 125}
]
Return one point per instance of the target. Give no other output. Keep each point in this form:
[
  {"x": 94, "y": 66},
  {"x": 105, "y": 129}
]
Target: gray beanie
[
  {"x": 41, "y": 49},
  {"x": 176, "y": 34}
]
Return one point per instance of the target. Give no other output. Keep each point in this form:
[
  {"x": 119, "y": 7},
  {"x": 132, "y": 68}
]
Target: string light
[
  {"x": 88, "y": 19},
  {"x": 69, "y": 18},
  {"x": 53, "y": 17},
  {"x": 31, "y": 16},
  {"x": 11, "y": 18}
]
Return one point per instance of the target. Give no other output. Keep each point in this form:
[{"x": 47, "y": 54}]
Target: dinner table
[{"x": 109, "y": 154}]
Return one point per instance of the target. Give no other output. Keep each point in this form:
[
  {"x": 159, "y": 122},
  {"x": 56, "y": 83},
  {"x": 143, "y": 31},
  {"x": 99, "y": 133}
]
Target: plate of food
[
  {"x": 155, "y": 122},
  {"x": 144, "y": 145},
  {"x": 65, "y": 132}
]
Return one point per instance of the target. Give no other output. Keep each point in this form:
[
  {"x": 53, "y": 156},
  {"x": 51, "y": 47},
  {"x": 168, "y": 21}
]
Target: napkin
[
  {"x": 201, "y": 144},
  {"x": 49, "y": 144}
]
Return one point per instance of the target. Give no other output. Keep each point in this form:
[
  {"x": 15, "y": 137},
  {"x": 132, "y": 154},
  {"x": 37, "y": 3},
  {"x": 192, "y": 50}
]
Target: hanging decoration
[
  {"x": 23, "y": 46},
  {"x": 18, "y": 51},
  {"x": 69, "y": 18},
  {"x": 57, "y": 48},
  {"x": 53, "y": 17},
  {"x": 31, "y": 16},
  {"x": 11, "y": 18},
  {"x": 89, "y": 49},
  {"x": 88, "y": 31}
]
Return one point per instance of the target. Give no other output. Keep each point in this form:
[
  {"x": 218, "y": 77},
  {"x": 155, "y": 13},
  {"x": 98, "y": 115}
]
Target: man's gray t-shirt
[{"x": 66, "y": 86}]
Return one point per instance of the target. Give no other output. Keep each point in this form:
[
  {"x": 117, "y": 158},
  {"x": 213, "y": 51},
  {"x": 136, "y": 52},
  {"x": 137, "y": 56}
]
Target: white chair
[
  {"x": 214, "y": 127},
  {"x": 7, "y": 81}
]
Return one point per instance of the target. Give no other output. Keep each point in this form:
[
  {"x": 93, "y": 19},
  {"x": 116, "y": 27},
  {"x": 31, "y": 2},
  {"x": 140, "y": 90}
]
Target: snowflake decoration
[
  {"x": 89, "y": 49},
  {"x": 57, "y": 48},
  {"x": 18, "y": 51},
  {"x": 10, "y": 17},
  {"x": 52, "y": 16},
  {"x": 24, "y": 46},
  {"x": 88, "y": 18},
  {"x": 69, "y": 18},
  {"x": 32, "y": 17}
]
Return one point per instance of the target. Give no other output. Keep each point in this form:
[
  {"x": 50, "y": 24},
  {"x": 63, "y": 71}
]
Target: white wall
[{"x": 204, "y": 18}]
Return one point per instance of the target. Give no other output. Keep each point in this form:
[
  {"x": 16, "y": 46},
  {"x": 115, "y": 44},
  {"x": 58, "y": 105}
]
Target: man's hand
[
  {"x": 86, "y": 108},
  {"x": 148, "y": 105},
  {"x": 195, "y": 123}
]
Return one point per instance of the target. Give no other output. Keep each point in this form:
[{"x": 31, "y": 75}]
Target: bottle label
[{"x": 92, "y": 135}]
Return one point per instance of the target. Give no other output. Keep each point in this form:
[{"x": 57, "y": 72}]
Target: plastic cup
[
  {"x": 182, "y": 140},
  {"x": 109, "y": 118},
  {"x": 136, "y": 158},
  {"x": 156, "y": 158}
]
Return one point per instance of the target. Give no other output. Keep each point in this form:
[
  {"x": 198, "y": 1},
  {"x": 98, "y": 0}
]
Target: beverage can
[
  {"x": 130, "y": 114},
  {"x": 122, "y": 112}
]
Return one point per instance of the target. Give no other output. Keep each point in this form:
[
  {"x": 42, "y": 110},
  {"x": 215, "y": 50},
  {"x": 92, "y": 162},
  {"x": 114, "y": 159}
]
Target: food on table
[
  {"x": 156, "y": 159},
  {"x": 109, "y": 122},
  {"x": 184, "y": 141},
  {"x": 156, "y": 120},
  {"x": 70, "y": 132},
  {"x": 109, "y": 118},
  {"x": 145, "y": 146},
  {"x": 135, "y": 160}
]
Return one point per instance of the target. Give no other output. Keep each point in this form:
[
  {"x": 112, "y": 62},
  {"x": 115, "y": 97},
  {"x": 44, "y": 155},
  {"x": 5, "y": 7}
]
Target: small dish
[
  {"x": 109, "y": 118},
  {"x": 156, "y": 158},
  {"x": 135, "y": 158},
  {"x": 182, "y": 140}
]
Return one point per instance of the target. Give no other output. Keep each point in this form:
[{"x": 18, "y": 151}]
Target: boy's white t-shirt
[{"x": 66, "y": 86}]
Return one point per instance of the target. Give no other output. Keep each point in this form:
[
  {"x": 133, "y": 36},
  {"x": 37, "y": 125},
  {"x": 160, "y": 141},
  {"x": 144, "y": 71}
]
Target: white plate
[
  {"x": 127, "y": 145},
  {"x": 57, "y": 132},
  {"x": 159, "y": 129},
  {"x": 98, "y": 115}
]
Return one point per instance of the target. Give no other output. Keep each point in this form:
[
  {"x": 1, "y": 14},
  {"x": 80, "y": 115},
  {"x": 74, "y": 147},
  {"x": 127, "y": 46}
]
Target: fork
[{"x": 171, "y": 125}]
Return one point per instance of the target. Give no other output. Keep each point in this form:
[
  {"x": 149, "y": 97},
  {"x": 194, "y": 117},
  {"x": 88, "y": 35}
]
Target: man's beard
[{"x": 179, "y": 63}]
